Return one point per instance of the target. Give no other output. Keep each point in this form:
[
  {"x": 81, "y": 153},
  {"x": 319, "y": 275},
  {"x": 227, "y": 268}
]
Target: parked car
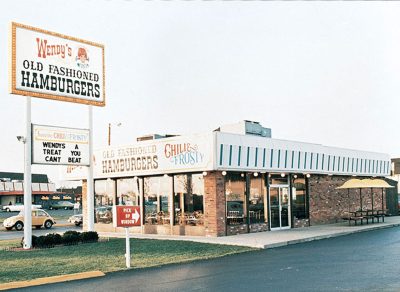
[
  {"x": 61, "y": 205},
  {"x": 19, "y": 207},
  {"x": 39, "y": 218},
  {"x": 398, "y": 204},
  {"x": 76, "y": 219}
]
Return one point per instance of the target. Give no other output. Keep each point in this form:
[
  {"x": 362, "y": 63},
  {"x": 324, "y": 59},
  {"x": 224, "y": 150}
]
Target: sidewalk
[{"x": 273, "y": 239}]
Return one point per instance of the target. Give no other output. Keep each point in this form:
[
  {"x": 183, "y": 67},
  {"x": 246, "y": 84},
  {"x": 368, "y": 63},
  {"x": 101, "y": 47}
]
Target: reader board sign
[
  {"x": 127, "y": 216},
  {"x": 50, "y": 65},
  {"x": 60, "y": 146}
]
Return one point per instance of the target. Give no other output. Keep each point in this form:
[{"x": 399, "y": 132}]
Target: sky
[{"x": 318, "y": 72}]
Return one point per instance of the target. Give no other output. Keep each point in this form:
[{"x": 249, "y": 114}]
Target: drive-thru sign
[{"x": 127, "y": 216}]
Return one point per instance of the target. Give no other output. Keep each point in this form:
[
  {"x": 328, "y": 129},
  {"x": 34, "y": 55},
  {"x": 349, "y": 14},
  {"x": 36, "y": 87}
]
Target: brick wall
[
  {"x": 329, "y": 205},
  {"x": 214, "y": 208}
]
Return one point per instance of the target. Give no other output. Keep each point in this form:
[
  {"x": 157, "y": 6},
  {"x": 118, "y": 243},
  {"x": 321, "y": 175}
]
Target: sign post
[
  {"x": 128, "y": 248},
  {"x": 127, "y": 216},
  {"x": 90, "y": 181},
  {"x": 28, "y": 178}
]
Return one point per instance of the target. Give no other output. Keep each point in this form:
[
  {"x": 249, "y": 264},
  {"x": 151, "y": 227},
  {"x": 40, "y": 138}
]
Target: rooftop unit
[
  {"x": 153, "y": 137},
  {"x": 246, "y": 128}
]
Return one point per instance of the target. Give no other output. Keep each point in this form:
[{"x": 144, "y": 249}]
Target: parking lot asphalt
[
  {"x": 60, "y": 216},
  {"x": 363, "y": 261},
  {"x": 267, "y": 240}
]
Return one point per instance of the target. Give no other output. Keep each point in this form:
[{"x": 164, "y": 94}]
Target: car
[
  {"x": 76, "y": 219},
  {"x": 39, "y": 218},
  {"x": 61, "y": 205},
  {"x": 398, "y": 204},
  {"x": 18, "y": 207}
]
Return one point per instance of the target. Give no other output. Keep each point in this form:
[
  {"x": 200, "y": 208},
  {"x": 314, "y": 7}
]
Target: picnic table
[{"x": 361, "y": 215}]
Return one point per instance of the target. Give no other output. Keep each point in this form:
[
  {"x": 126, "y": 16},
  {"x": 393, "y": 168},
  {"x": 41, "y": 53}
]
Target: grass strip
[{"x": 105, "y": 256}]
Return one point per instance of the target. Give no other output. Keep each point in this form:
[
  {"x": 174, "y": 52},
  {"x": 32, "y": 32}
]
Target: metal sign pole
[
  {"x": 90, "y": 182},
  {"x": 28, "y": 178},
  {"x": 128, "y": 248}
]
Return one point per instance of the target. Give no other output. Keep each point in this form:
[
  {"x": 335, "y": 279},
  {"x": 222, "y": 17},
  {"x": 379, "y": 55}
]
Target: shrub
[
  {"x": 34, "y": 241},
  {"x": 71, "y": 237},
  {"x": 68, "y": 238},
  {"x": 44, "y": 241},
  {"x": 89, "y": 236},
  {"x": 55, "y": 238}
]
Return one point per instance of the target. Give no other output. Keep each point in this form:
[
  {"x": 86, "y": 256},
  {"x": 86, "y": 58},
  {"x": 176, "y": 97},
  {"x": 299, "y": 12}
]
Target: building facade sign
[
  {"x": 60, "y": 146},
  {"x": 178, "y": 154},
  {"x": 54, "y": 66},
  {"x": 192, "y": 153}
]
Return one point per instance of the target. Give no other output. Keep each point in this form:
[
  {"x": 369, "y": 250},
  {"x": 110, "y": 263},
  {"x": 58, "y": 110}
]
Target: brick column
[
  {"x": 214, "y": 221},
  {"x": 84, "y": 204}
]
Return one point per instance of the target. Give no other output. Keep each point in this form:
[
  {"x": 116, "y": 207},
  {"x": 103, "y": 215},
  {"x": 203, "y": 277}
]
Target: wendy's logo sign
[
  {"x": 82, "y": 59},
  {"x": 47, "y": 49},
  {"x": 183, "y": 154}
]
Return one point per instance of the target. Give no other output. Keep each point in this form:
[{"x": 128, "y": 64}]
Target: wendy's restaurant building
[{"x": 236, "y": 179}]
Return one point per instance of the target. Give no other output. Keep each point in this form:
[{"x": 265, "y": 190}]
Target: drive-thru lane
[{"x": 367, "y": 261}]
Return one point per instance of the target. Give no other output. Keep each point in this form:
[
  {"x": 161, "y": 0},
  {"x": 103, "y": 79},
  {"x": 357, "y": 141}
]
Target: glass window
[
  {"x": 9, "y": 186},
  {"x": 157, "y": 193},
  {"x": 44, "y": 187},
  {"x": 257, "y": 200},
  {"x": 128, "y": 192},
  {"x": 277, "y": 179},
  {"x": 299, "y": 197},
  {"x": 188, "y": 199},
  {"x": 104, "y": 191},
  {"x": 18, "y": 187},
  {"x": 235, "y": 191}
]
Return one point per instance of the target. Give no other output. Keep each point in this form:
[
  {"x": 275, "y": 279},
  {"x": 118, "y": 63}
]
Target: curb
[
  {"x": 51, "y": 280},
  {"x": 326, "y": 236}
]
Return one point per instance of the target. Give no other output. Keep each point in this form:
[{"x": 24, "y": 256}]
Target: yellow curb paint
[{"x": 50, "y": 280}]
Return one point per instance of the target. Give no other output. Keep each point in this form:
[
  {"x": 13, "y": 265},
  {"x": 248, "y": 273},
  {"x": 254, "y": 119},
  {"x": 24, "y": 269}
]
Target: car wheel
[
  {"x": 78, "y": 224},
  {"x": 8, "y": 210},
  {"x": 19, "y": 226},
  {"x": 51, "y": 208},
  {"x": 8, "y": 228},
  {"x": 66, "y": 208},
  {"x": 48, "y": 224}
]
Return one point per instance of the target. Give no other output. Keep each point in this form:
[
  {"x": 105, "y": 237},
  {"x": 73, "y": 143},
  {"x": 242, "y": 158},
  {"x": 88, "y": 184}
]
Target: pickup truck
[{"x": 18, "y": 207}]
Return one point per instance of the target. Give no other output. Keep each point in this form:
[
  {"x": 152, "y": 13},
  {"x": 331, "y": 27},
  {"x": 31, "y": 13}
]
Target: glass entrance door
[{"x": 279, "y": 206}]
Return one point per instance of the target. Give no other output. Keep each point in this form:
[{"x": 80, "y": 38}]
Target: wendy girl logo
[
  {"x": 82, "y": 59},
  {"x": 183, "y": 154}
]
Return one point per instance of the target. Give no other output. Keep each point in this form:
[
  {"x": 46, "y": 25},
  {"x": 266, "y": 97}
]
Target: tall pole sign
[{"x": 51, "y": 65}]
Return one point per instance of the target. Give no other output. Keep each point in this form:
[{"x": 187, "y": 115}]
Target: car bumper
[{"x": 8, "y": 224}]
